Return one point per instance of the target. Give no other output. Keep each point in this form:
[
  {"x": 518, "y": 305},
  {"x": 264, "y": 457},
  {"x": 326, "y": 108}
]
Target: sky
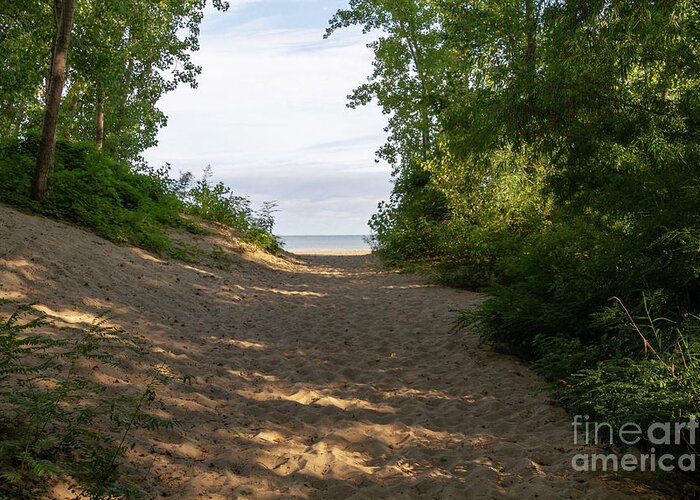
[{"x": 270, "y": 116}]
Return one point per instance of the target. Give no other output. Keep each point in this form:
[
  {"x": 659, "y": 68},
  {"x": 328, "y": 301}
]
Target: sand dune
[{"x": 314, "y": 376}]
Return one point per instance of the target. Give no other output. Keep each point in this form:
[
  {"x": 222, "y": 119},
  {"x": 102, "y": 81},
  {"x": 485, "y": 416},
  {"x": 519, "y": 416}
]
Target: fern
[{"x": 53, "y": 414}]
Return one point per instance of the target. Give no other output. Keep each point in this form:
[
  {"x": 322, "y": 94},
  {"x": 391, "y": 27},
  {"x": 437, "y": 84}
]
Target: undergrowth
[
  {"x": 549, "y": 157},
  {"x": 642, "y": 369},
  {"x": 57, "y": 423},
  {"x": 126, "y": 204}
]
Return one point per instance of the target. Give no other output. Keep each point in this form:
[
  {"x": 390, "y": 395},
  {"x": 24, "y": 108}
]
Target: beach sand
[{"x": 312, "y": 376}]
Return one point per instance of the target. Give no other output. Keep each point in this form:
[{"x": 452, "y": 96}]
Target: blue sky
[{"x": 270, "y": 116}]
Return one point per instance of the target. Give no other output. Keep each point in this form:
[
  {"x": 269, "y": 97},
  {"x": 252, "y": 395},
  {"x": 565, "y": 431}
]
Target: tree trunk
[
  {"x": 425, "y": 116},
  {"x": 100, "y": 122},
  {"x": 117, "y": 118},
  {"x": 47, "y": 143},
  {"x": 531, "y": 23},
  {"x": 529, "y": 76}
]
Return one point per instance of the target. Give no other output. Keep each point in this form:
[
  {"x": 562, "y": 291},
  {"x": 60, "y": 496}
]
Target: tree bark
[
  {"x": 425, "y": 117},
  {"x": 47, "y": 143},
  {"x": 531, "y": 48},
  {"x": 100, "y": 120},
  {"x": 529, "y": 76}
]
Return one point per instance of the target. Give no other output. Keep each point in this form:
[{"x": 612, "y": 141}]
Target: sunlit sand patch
[
  {"x": 422, "y": 470},
  {"x": 323, "y": 460},
  {"x": 170, "y": 354},
  {"x": 537, "y": 468},
  {"x": 165, "y": 371},
  {"x": 408, "y": 287},
  {"x": 18, "y": 296},
  {"x": 245, "y": 344},
  {"x": 289, "y": 292},
  {"x": 430, "y": 393},
  {"x": 308, "y": 398},
  {"x": 146, "y": 256},
  {"x": 481, "y": 441},
  {"x": 17, "y": 264},
  {"x": 253, "y": 376},
  {"x": 70, "y": 316},
  {"x": 271, "y": 436},
  {"x": 489, "y": 463},
  {"x": 196, "y": 269},
  {"x": 230, "y": 288},
  {"x": 15, "y": 270},
  {"x": 317, "y": 398},
  {"x": 104, "y": 306},
  {"x": 61, "y": 489}
]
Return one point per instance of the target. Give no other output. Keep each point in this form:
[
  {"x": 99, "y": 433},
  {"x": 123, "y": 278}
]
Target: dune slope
[{"x": 312, "y": 377}]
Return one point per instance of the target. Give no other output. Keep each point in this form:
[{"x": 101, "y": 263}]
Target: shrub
[
  {"x": 56, "y": 421},
  {"x": 123, "y": 204}
]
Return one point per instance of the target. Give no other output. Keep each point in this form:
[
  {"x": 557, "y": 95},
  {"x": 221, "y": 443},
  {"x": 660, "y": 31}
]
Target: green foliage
[
  {"x": 650, "y": 372},
  {"x": 25, "y": 39},
  {"x": 89, "y": 188},
  {"x": 93, "y": 190},
  {"x": 561, "y": 171},
  {"x": 217, "y": 203},
  {"x": 56, "y": 421},
  {"x": 124, "y": 56}
]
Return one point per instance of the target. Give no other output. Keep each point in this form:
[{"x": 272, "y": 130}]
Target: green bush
[
  {"x": 56, "y": 421},
  {"x": 652, "y": 377},
  {"x": 217, "y": 203},
  {"x": 123, "y": 204},
  {"x": 90, "y": 189}
]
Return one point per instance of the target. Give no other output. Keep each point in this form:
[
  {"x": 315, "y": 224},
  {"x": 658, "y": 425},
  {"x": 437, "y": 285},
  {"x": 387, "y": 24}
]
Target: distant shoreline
[
  {"x": 352, "y": 251},
  {"x": 323, "y": 243}
]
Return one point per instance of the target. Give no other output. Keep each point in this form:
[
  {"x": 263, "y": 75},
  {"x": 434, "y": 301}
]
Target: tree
[
  {"x": 26, "y": 35},
  {"x": 125, "y": 55},
  {"x": 409, "y": 69},
  {"x": 64, "y": 10}
]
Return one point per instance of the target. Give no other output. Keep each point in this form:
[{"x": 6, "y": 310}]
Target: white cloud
[{"x": 270, "y": 116}]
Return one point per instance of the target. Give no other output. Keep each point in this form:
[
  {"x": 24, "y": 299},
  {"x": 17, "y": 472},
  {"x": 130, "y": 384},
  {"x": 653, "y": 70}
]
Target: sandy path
[{"x": 320, "y": 377}]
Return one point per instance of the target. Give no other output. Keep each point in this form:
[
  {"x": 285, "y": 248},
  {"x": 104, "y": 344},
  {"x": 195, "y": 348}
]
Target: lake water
[{"x": 344, "y": 242}]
